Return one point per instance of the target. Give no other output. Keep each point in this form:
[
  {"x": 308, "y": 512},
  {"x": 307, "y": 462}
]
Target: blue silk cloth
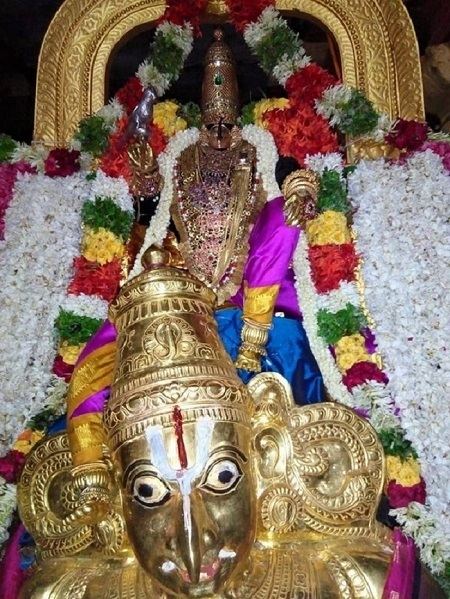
[{"x": 288, "y": 353}]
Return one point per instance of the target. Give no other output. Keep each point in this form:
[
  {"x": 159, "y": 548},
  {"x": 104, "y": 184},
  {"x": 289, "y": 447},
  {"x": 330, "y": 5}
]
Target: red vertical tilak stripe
[{"x": 178, "y": 424}]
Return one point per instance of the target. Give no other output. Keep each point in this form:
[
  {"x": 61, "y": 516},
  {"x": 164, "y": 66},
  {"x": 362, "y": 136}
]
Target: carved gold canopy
[{"x": 376, "y": 40}]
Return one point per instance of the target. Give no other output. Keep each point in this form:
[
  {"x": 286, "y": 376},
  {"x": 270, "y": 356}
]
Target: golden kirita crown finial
[{"x": 220, "y": 97}]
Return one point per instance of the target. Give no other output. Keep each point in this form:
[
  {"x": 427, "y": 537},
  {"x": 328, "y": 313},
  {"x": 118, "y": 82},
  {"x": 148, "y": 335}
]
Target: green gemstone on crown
[{"x": 218, "y": 80}]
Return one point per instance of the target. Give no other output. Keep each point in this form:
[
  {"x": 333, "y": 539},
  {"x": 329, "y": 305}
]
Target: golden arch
[{"x": 376, "y": 40}]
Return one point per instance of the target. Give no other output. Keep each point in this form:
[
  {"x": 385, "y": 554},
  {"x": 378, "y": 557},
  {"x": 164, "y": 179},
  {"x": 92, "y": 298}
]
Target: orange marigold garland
[
  {"x": 299, "y": 131},
  {"x": 332, "y": 264}
]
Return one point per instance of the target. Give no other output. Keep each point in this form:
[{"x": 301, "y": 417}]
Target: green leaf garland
[
  {"x": 281, "y": 41},
  {"x": 395, "y": 443},
  {"x": 76, "y": 329},
  {"x": 7, "y": 147},
  {"x": 166, "y": 55},
  {"x": 359, "y": 117},
  {"x": 93, "y": 133},
  {"x": 335, "y": 325},
  {"x": 332, "y": 194},
  {"x": 104, "y": 213}
]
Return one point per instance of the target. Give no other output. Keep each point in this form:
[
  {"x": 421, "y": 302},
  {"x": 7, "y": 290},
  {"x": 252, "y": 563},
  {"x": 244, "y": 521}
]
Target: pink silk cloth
[{"x": 400, "y": 579}]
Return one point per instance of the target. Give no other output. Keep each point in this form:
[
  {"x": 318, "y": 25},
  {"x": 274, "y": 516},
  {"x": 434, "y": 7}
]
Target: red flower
[
  {"x": 243, "y": 12},
  {"x": 408, "y": 135},
  {"x": 130, "y": 94},
  {"x": 92, "y": 279},
  {"x": 309, "y": 83},
  {"x": 180, "y": 12},
  {"x": 157, "y": 139},
  {"x": 400, "y": 496},
  {"x": 114, "y": 161},
  {"x": 331, "y": 264},
  {"x": 299, "y": 131},
  {"x": 62, "y": 369},
  {"x": 11, "y": 465},
  {"x": 362, "y": 372},
  {"x": 62, "y": 163}
]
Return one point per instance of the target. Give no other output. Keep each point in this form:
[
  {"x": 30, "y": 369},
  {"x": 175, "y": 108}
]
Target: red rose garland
[
  {"x": 130, "y": 94},
  {"x": 308, "y": 84},
  {"x": 62, "y": 163},
  {"x": 243, "y": 12}
]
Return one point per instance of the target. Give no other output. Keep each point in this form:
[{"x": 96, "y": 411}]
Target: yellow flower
[
  {"x": 70, "y": 353},
  {"x": 264, "y": 105},
  {"x": 328, "y": 227},
  {"x": 405, "y": 473},
  {"x": 101, "y": 246},
  {"x": 349, "y": 350},
  {"x": 27, "y": 440},
  {"x": 165, "y": 116}
]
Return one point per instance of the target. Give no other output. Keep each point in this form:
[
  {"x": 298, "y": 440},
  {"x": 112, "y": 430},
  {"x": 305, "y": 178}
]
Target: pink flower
[
  {"x": 62, "y": 163},
  {"x": 400, "y": 496},
  {"x": 361, "y": 373},
  {"x": 408, "y": 135},
  {"x": 11, "y": 465}
]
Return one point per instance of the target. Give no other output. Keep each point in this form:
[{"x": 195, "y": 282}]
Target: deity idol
[{"x": 206, "y": 487}]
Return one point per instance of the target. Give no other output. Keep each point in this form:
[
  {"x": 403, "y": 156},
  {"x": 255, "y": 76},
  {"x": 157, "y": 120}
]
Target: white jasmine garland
[
  {"x": 148, "y": 74},
  {"x": 181, "y": 36},
  {"x": 115, "y": 188},
  {"x": 402, "y": 232},
  {"x": 167, "y": 160},
  {"x": 111, "y": 112},
  {"x": 267, "y": 21},
  {"x": 86, "y": 305},
  {"x": 7, "y": 507},
  {"x": 384, "y": 127},
  {"x": 329, "y": 105},
  {"x": 319, "y": 162},
  {"x": 42, "y": 239},
  {"x": 56, "y": 394},
  {"x": 35, "y": 155},
  {"x": 337, "y": 299},
  {"x": 288, "y": 65},
  {"x": 266, "y": 157}
]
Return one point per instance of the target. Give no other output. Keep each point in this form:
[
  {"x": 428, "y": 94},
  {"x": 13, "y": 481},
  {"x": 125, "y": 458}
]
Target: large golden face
[{"x": 188, "y": 498}]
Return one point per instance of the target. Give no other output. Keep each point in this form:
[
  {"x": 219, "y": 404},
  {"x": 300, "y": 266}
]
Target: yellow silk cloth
[
  {"x": 89, "y": 387},
  {"x": 259, "y": 303}
]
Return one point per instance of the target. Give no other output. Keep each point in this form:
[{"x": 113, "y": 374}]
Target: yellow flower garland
[
  {"x": 165, "y": 116},
  {"x": 27, "y": 440},
  {"x": 349, "y": 350},
  {"x": 264, "y": 105},
  {"x": 405, "y": 473},
  {"x": 328, "y": 227},
  {"x": 101, "y": 246},
  {"x": 70, "y": 353}
]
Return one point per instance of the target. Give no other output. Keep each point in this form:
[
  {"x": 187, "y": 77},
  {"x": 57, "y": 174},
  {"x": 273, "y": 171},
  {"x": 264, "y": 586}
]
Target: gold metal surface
[
  {"x": 376, "y": 40},
  {"x": 300, "y": 190}
]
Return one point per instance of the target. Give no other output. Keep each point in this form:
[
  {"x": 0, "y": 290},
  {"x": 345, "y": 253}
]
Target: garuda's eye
[
  {"x": 149, "y": 490},
  {"x": 222, "y": 476}
]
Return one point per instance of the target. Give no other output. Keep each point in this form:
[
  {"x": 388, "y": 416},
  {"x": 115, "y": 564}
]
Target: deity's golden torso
[{"x": 217, "y": 199}]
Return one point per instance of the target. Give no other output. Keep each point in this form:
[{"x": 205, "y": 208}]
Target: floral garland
[{"x": 403, "y": 236}]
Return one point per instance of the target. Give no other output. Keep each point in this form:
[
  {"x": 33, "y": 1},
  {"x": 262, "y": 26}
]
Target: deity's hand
[
  {"x": 253, "y": 342},
  {"x": 300, "y": 190},
  {"x": 146, "y": 179}
]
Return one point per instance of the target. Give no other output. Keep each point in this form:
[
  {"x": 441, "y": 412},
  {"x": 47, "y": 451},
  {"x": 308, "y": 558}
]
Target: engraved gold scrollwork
[
  {"x": 323, "y": 454},
  {"x": 49, "y": 503},
  {"x": 280, "y": 509},
  {"x": 376, "y": 40}
]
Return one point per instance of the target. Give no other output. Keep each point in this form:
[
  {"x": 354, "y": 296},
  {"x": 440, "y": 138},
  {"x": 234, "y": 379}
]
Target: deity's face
[
  {"x": 188, "y": 502},
  {"x": 219, "y": 135}
]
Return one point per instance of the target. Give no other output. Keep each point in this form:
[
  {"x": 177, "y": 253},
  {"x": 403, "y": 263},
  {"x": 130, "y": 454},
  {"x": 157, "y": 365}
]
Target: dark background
[{"x": 23, "y": 24}]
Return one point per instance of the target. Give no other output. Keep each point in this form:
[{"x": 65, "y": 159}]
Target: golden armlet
[{"x": 254, "y": 338}]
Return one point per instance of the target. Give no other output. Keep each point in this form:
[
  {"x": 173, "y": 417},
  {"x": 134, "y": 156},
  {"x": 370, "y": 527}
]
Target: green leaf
[
  {"x": 93, "y": 134},
  {"x": 166, "y": 55},
  {"x": 332, "y": 194},
  {"x": 395, "y": 443},
  {"x": 7, "y": 147},
  {"x": 359, "y": 116},
  {"x": 104, "y": 213},
  {"x": 335, "y": 325},
  {"x": 76, "y": 329}
]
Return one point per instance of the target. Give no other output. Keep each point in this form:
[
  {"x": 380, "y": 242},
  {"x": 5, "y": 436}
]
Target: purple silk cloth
[
  {"x": 272, "y": 245},
  {"x": 11, "y": 575},
  {"x": 400, "y": 579},
  {"x": 94, "y": 403},
  {"x": 106, "y": 334}
]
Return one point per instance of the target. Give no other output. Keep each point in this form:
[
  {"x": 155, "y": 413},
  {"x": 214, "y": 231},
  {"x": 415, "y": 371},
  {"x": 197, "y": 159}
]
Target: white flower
[
  {"x": 319, "y": 162},
  {"x": 402, "y": 232},
  {"x": 43, "y": 230},
  {"x": 384, "y": 126},
  {"x": 56, "y": 395},
  {"x": 287, "y": 66},
  {"x": 148, "y": 74},
  {"x": 338, "y": 298},
  {"x": 268, "y": 20},
  {"x": 329, "y": 105},
  {"x": 266, "y": 156},
  {"x": 181, "y": 36},
  {"x": 115, "y": 188},
  {"x": 111, "y": 112},
  {"x": 86, "y": 305},
  {"x": 7, "y": 507},
  {"x": 35, "y": 155}
]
